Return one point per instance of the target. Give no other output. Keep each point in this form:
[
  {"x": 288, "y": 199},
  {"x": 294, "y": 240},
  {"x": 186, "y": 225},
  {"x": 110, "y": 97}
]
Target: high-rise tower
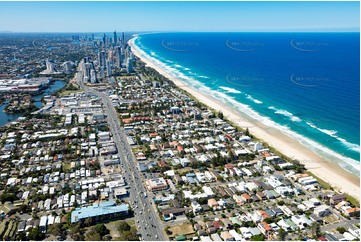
[
  {"x": 123, "y": 43},
  {"x": 115, "y": 38}
]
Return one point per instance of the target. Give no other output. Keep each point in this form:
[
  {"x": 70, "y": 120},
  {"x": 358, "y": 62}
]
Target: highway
[{"x": 147, "y": 222}]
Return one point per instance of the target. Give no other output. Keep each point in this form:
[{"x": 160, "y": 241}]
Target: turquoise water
[{"x": 305, "y": 84}]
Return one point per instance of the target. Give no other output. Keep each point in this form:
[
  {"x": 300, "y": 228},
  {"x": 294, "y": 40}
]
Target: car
[{"x": 156, "y": 236}]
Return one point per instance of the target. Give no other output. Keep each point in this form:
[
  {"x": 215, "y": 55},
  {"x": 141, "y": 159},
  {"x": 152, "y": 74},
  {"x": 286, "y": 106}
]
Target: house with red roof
[{"x": 264, "y": 228}]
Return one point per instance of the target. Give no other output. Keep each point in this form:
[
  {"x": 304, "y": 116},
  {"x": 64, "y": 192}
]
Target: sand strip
[{"x": 327, "y": 170}]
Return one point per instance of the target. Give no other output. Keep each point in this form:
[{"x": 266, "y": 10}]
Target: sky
[{"x": 179, "y": 16}]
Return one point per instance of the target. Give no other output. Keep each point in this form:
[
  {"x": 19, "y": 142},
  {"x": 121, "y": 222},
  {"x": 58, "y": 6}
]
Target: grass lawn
[
  {"x": 185, "y": 228},
  {"x": 66, "y": 166},
  {"x": 68, "y": 92},
  {"x": 113, "y": 227},
  {"x": 185, "y": 170},
  {"x": 137, "y": 149}
]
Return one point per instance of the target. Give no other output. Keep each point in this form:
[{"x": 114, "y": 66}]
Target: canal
[{"x": 9, "y": 117}]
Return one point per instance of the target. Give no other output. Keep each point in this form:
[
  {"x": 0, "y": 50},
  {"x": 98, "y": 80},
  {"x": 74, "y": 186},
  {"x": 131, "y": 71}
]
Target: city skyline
[{"x": 179, "y": 16}]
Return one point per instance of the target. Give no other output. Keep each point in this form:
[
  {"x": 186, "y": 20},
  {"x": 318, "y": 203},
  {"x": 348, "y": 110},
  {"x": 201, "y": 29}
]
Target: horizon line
[{"x": 154, "y": 31}]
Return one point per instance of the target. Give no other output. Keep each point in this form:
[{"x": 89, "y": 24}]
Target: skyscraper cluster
[
  {"x": 89, "y": 73},
  {"x": 113, "y": 57}
]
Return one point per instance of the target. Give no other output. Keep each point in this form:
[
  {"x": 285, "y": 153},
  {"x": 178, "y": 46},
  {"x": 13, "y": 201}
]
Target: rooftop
[{"x": 97, "y": 209}]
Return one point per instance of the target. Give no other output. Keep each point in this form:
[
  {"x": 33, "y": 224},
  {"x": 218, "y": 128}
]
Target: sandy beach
[{"x": 327, "y": 170}]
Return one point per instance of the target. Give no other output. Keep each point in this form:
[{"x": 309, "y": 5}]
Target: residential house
[
  {"x": 264, "y": 228},
  {"x": 261, "y": 196},
  {"x": 352, "y": 212},
  {"x": 212, "y": 203},
  {"x": 337, "y": 199},
  {"x": 246, "y": 198},
  {"x": 322, "y": 211},
  {"x": 226, "y": 236}
]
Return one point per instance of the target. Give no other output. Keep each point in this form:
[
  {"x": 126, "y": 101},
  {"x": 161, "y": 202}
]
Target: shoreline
[{"x": 326, "y": 170}]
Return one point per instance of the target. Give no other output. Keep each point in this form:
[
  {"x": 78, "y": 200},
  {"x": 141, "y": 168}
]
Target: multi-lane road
[{"x": 147, "y": 222}]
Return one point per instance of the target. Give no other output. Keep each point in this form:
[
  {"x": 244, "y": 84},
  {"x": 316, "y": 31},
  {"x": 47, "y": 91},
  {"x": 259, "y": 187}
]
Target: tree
[
  {"x": 101, "y": 229},
  {"x": 98, "y": 232},
  {"x": 130, "y": 236},
  {"x": 76, "y": 233},
  {"x": 24, "y": 208},
  {"x": 341, "y": 230},
  {"x": 167, "y": 231},
  {"x": 93, "y": 236},
  {"x": 281, "y": 202},
  {"x": 220, "y": 115},
  {"x": 164, "y": 138},
  {"x": 55, "y": 229},
  {"x": 124, "y": 226},
  {"x": 268, "y": 220},
  {"x": 203, "y": 200},
  {"x": 21, "y": 236},
  {"x": 36, "y": 234},
  {"x": 139, "y": 141},
  {"x": 248, "y": 224},
  {"x": 282, "y": 234},
  {"x": 236, "y": 226},
  {"x": 258, "y": 237},
  {"x": 315, "y": 230},
  {"x": 246, "y": 132},
  {"x": 5, "y": 197},
  {"x": 107, "y": 237},
  {"x": 88, "y": 222}
]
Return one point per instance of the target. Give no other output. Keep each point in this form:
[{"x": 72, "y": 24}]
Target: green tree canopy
[{"x": 124, "y": 226}]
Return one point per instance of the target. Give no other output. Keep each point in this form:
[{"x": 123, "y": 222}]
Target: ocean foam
[
  {"x": 204, "y": 77},
  {"x": 345, "y": 162},
  {"x": 286, "y": 114},
  {"x": 229, "y": 89},
  {"x": 253, "y": 99},
  {"x": 332, "y": 133}
]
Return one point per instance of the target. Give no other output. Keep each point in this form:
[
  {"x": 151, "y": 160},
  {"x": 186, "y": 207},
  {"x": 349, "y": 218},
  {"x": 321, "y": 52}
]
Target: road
[
  {"x": 343, "y": 222},
  {"x": 149, "y": 225},
  {"x": 346, "y": 224}
]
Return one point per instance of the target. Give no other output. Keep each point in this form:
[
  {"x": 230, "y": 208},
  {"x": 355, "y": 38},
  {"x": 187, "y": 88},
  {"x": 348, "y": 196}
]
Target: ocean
[{"x": 305, "y": 84}]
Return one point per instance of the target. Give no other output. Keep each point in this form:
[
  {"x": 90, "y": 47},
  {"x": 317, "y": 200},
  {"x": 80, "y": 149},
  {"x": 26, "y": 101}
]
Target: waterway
[{"x": 9, "y": 117}]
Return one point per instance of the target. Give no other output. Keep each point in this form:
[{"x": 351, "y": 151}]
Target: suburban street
[{"x": 146, "y": 217}]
